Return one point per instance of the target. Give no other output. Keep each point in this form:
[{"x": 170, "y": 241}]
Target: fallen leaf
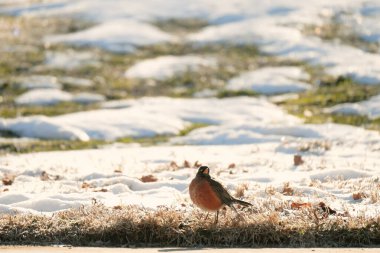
[
  {"x": 297, "y": 159},
  {"x": 8, "y": 179},
  {"x": 44, "y": 176},
  {"x": 117, "y": 207},
  {"x": 118, "y": 170},
  {"x": 231, "y": 166},
  {"x": 5, "y": 189},
  {"x": 85, "y": 185},
  {"x": 148, "y": 179},
  {"x": 296, "y": 205},
  {"x": 101, "y": 190},
  {"x": 186, "y": 164},
  {"x": 197, "y": 164},
  {"x": 326, "y": 209},
  {"x": 358, "y": 196},
  {"x": 287, "y": 190},
  {"x": 174, "y": 165}
]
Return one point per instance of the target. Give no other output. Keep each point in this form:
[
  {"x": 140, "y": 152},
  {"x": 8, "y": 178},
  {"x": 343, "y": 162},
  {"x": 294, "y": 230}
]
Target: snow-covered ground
[
  {"x": 244, "y": 140},
  {"x": 274, "y": 26},
  {"x": 112, "y": 175},
  {"x": 369, "y": 108},
  {"x": 48, "y": 97},
  {"x": 271, "y": 80},
  {"x": 165, "y": 67}
]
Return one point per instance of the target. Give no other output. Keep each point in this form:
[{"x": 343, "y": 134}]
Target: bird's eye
[{"x": 206, "y": 171}]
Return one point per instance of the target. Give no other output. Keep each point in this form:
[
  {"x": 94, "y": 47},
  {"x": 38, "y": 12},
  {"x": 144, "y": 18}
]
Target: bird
[{"x": 210, "y": 195}]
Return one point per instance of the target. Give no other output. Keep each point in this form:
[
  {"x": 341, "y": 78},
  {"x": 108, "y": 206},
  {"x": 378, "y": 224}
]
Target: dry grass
[{"x": 133, "y": 226}]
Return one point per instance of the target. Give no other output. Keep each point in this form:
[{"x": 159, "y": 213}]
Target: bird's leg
[
  {"x": 206, "y": 215},
  {"x": 216, "y": 217}
]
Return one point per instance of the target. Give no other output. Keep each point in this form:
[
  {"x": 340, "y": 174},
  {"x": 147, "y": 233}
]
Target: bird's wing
[{"x": 221, "y": 192}]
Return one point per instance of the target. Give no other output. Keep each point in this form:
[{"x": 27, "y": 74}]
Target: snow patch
[
  {"x": 164, "y": 67},
  {"x": 42, "y": 127},
  {"x": 369, "y": 108},
  {"x": 271, "y": 80},
  {"x": 121, "y": 36},
  {"x": 43, "y": 97},
  {"x": 39, "y": 82}
]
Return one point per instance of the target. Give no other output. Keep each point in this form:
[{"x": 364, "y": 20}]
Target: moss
[
  {"x": 230, "y": 93},
  {"x": 47, "y": 145},
  {"x": 181, "y": 26},
  {"x": 310, "y": 105},
  {"x": 192, "y": 127},
  {"x": 333, "y": 30},
  {"x": 10, "y": 110},
  {"x": 145, "y": 141}
]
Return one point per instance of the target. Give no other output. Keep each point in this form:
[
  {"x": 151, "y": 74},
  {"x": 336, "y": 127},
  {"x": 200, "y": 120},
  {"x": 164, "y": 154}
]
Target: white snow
[
  {"x": 117, "y": 36},
  {"x": 369, "y": 108},
  {"x": 42, "y": 127},
  {"x": 254, "y": 134},
  {"x": 70, "y": 59},
  {"x": 164, "y": 67},
  {"x": 46, "y": 97},
  {"x": 271, "y": 80},
  {"x": 76, "y": 82},
  {"x": 274, "y": 26},
  {"x": 43, "y": 97},
  {"x": 39, "y": 82},
  {"x": 161, "y": 116},
  {"x": 88, "y": 98},
  {"x": 341, "y": 171},
  {"x": 290, "y": 43}
]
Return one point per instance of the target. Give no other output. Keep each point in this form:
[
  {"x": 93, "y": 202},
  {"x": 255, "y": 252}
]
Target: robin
[{"x": 209, "y": 194}]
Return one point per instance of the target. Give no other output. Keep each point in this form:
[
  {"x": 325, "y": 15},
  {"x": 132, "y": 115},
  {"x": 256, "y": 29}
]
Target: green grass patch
[
  {"x": 47, "y": 145},
  {"x": 181, "y": 26},
  {"x": 192, "y": 127},
  {"x": 310, "y": 105},
  {"x": 232, "y": 93},
  {"x": 11, "y": 111},
  {"x": 145, "y": 141},
  {"x": 333, "y": 30}
]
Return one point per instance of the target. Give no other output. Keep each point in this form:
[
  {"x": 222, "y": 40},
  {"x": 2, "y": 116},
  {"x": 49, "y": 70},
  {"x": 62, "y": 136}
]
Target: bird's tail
[{"x": 241, "y": 202}]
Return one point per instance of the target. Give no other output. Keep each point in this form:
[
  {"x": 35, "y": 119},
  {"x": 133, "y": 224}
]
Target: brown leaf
[
  {"x": 85, "y": 185},
  {"x": 118, "y": 170},
  {"x": 44, "y": 176},
  {"x": 117, "y": 207},
  {"x": 240, "y": 190},
  {"x": 296, "y": 205},
  {"x": 186, "y": 164},
  {"x": 197, "y": 164},
  {"x": 101, "y": 190},
  {"x": 148, "y": 179},
  {"x": 8, "y": 179},
  {"x": 297, "y": 159},
  {"x": 287, "y": 190},
  {"x": 5, "y": 189},
  {"x": 326, "y": 209},
  {"x": 174, "y": 165},
  {"x": 359, "y": 196},
  {"x": 231, "y": 166}
]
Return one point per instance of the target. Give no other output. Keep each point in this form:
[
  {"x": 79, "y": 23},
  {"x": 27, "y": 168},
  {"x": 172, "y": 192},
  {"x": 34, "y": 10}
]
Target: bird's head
[{"x": 203, "y": 171}]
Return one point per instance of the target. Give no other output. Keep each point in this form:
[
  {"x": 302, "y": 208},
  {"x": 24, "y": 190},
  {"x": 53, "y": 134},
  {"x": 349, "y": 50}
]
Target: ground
[{"x": 105, "y": 117}]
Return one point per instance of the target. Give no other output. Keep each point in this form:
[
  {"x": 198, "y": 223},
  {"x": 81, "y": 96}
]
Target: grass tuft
[
  {"x": 310, "y": 105},
  {"x": 133, "y": 226}
]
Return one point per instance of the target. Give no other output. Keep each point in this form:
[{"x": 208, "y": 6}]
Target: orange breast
[{"x": 203, "y": 195}]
